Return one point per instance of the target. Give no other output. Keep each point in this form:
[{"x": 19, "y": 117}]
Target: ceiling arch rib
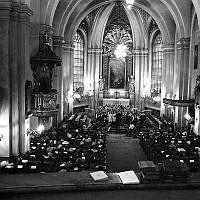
[
  {"x": 178, "y": 10},
  {"x": 167, "y": 27},
  {"x": 162, "y": 16},
  {"x": 99, "y": 26},
  {"x": 50, "y": 11},
  {"x": 196, "y": 4},
  {"x": 43, "y": 10},
  {"x": 175, "y": 7},
  {"x": 77, "y": 16},
  {"x": 138, "y": 28},
  {"x": 63, "y": 11}
]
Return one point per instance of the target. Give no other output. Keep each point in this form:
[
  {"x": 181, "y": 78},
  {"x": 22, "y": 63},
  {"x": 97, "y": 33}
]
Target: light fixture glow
[
  {"x": 129, "y": 3},
  {"x": 157, "y": 99},
  {"x": 129, "y": 6},
  {"x": 40, "y": 128},
  {"x": 187, "y": 117},
  {"x": 77, "y": 96},
  {"x": 120, "y": 51}
]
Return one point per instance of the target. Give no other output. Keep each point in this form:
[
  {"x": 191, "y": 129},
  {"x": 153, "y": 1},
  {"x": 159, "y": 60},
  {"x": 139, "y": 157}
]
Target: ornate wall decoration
[
  {"x": 84, "y": 26},
  {"x": 43, "y": 96},
  {"x": 117, "y": 33},
  {"x": 101, "y": 83},
  {"x": 144, "y": 17},
  {"x": 115, "y": 37},
  {"x": 118, "y": 18},
  {"x": 152, "y": 27},
  {"x": 92, "y": 16},
  {"x": 131, "y": 84}
]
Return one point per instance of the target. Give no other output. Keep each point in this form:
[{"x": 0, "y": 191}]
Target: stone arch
[
  {"x": 69, "y": 18},
  {"x": 178, "y": 12},
  {"x": 194, "y": 40},
  {"x": 196, "y": 4}
]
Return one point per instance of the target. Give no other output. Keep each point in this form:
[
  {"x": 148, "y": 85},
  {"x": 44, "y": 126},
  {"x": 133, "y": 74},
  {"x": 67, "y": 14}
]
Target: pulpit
[{"x": 44, "y": 105}]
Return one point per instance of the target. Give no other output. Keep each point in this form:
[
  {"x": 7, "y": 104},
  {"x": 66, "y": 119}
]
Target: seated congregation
[{"x": 79, "y": 143}]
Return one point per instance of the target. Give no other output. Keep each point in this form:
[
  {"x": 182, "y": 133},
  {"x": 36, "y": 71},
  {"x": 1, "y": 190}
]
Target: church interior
[{"x": 105, "y": 86}]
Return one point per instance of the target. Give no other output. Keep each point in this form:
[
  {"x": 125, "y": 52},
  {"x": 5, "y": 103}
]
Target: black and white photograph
[{"x": 99, "y": 100}]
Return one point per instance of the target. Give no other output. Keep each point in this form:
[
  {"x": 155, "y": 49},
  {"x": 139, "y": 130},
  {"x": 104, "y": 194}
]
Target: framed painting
[{"x": 117, "y": 74}]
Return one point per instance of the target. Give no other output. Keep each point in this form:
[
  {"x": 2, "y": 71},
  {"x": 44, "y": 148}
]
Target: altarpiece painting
[{"x": 117, "y": 74}]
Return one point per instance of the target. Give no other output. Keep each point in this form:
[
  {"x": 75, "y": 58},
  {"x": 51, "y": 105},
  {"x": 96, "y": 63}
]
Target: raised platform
[
  {"x": 80, "y": 181},
  {"x": 124, "y": 102}
]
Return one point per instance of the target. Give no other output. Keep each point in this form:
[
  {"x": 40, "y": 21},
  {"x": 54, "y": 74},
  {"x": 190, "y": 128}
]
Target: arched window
[
  {"x": 157, "y": 63},
  {"x": 78, "y": 78}
]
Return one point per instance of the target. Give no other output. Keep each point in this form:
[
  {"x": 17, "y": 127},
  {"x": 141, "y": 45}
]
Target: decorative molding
[
  {"x": 9, "y": 8},
  {"x": 113, "y": 38},
  {"x": 118, "y": 19},
  {"x": 168, "y": 48},
  {"x": 44, "y": 104},
  {"x": 58, "y": 41},
  {"x": 144, "y": 17},
  {"x": 198, "y": 35},
  {"x": 179, "y": 103},
  {"x": 95, "y": 51},
  {"x": 84, "y": 26},
  {"x": 183, "y": 43},
  {"x": 46, "y": 35},
  {"x": 68, "y": 47},
  {"x": 92, "y": 16},
  {"x": 152, "y": 27}
]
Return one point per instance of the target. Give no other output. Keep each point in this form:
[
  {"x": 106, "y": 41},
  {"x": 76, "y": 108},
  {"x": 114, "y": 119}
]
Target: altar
[{"x": 124, "y": 102}]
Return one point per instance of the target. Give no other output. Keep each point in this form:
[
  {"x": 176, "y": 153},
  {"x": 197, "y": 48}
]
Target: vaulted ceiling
[{"x": 171, "y": 16}]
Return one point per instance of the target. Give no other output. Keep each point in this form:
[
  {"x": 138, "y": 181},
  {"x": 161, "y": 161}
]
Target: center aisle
[{"x": 123, "y": 153}]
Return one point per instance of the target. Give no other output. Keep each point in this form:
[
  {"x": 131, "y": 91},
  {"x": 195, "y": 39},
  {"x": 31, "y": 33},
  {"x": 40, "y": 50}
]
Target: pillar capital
[
  {"x": 183, "y": 43},
  {"x": 198, "y": 35},
  {"x": 58, "y": 41},
  {"x": 68, "y": 47},
  {"x": 95, "y": 50},
  {"x": 140, "y": 52},
  {"x": 168, "y": 48},
  {"x": 137, "y": 52},
  {"x": 8, "y": 7}
]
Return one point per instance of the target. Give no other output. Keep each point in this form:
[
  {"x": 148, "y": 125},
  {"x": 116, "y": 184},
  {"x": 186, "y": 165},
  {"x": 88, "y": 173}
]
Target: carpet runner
[{"x": 123, "y": 153}]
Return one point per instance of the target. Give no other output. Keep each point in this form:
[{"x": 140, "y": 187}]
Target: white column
[
  {"x": 58, "y": 77},
  {"x": 94, "y": 71},
  {"x": 145, "y": 71},
  {"x": 167, "y": 75},
  {"x": 67, "y": 69},
  {"x": 14, "y": 48},
  {"x": 181, "y": 78},
  {"x": 23, "y": 63},
  {"x": 138, "y": 57},
  {"x": 98, "y": 71}
]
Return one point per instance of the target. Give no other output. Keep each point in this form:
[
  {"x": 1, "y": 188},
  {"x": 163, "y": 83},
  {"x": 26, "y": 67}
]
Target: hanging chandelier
[
  {"x": 129, "y": 3},
  {"x": 120, "y": 51}
]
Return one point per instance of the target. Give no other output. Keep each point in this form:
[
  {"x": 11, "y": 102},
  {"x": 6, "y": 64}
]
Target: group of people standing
[{"x": 120, "y": 116}]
